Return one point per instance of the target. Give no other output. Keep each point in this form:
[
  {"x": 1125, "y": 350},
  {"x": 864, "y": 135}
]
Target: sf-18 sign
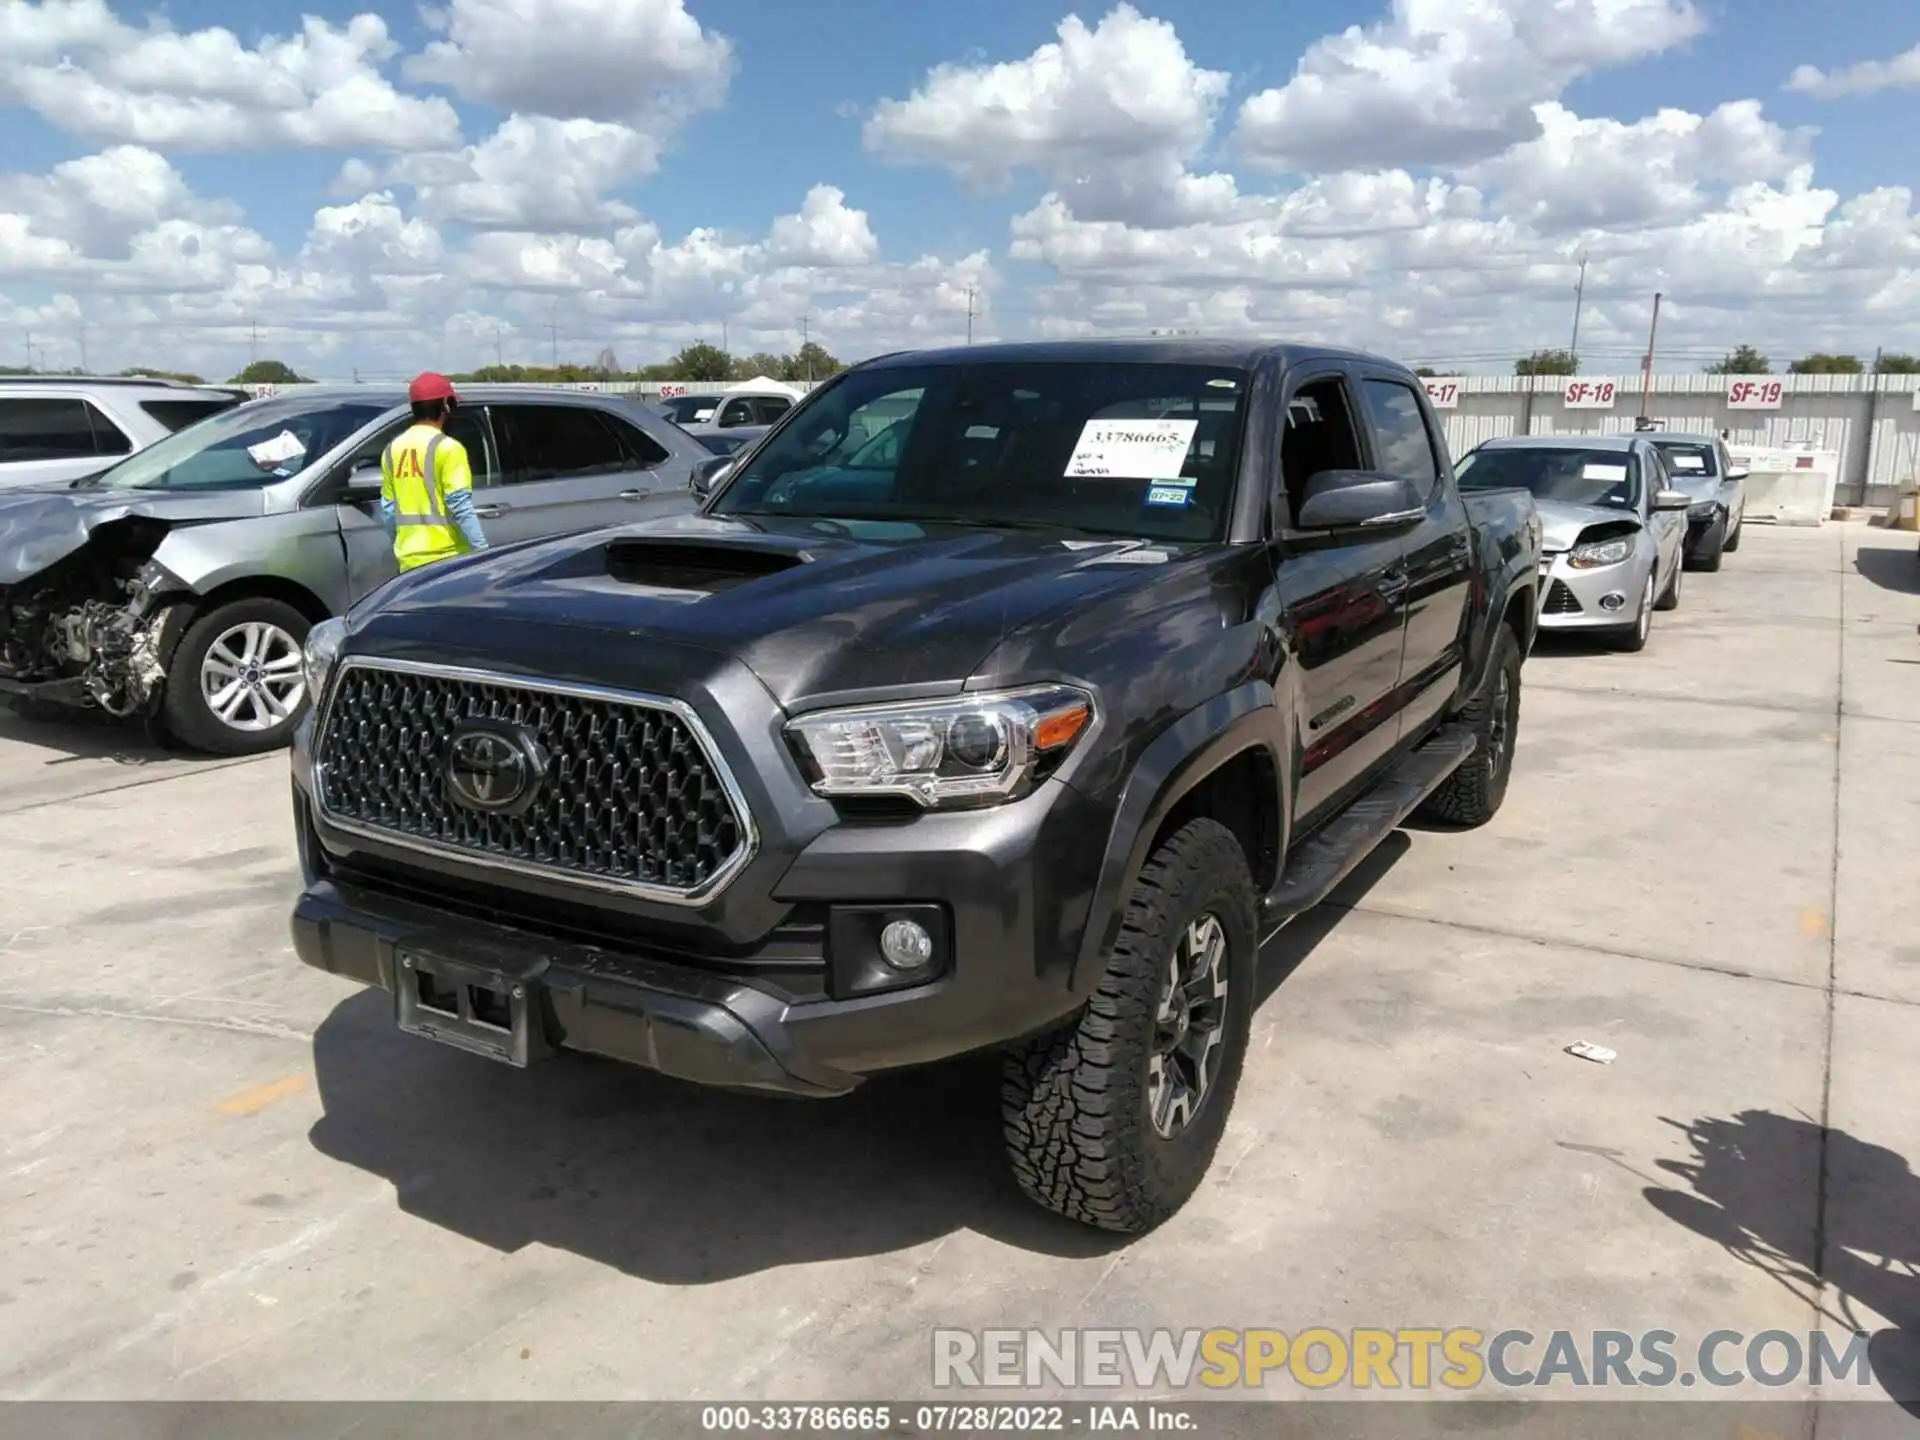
[
  {"x": 1443, "y": 393},
  {"x": 1754, "y": 394},
  {"x": 1590, "y": 394}
]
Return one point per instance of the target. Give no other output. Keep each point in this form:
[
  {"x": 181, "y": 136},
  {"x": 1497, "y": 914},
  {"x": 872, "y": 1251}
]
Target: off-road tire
[
  {"x": 1670, "y": 597},
  {"x": 1472, "y": 794},
  {"x": 1707, "y": 557},
  {"x": 185, "y": 713},
  {"x": 1074, "y": 1102}
]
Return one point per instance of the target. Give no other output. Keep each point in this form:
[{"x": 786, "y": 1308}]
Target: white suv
[{"x": 56, "y": 428}]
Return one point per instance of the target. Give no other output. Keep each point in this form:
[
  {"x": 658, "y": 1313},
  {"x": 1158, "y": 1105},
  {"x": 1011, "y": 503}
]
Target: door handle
[
  {"x": 1392, "y": 582},
  {"x": 491, "y": 512}
]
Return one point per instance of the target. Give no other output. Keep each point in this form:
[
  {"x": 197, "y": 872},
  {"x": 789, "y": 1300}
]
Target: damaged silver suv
[{"x": 179, "y": 584}]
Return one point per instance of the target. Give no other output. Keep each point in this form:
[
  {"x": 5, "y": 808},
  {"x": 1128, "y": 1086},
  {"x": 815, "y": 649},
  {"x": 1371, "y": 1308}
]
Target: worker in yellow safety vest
[{"x": 426, "y": 483}]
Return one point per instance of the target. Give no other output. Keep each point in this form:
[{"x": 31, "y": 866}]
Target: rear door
[
  {"x": 49, "y": 438},
  {"x": 569, "y": 467},
  {"x": 1343, "y": 596},
  {"x": 1438, "y": 551}
]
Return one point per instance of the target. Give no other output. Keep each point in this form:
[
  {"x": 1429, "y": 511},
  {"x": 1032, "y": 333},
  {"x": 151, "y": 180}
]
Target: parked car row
[{"x": 1625, "y": 516}]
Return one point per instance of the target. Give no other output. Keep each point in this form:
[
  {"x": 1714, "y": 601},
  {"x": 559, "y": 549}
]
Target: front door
[
  {"x": 568, "y": 467},
  {"x": 370, "y": 562},
  {"x": 1345, "y": 594}
]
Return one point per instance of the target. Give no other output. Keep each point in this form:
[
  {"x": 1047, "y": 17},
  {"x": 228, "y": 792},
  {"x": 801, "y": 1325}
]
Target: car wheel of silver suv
[{"x": 235, "y": 685}]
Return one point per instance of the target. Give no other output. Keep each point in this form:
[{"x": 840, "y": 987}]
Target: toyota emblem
[{"x": 494, "y": 769}]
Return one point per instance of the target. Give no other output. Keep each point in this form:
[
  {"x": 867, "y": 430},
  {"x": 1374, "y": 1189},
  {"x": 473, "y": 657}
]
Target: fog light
[
  {"x": 1612, "y": 601},
  {"x": 906, "y": 945}
]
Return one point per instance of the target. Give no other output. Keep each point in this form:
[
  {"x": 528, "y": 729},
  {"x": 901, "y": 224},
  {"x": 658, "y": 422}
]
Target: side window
[
  {"x": 643, "y": 451},
  {"x": 1406, "y": 449},
  {"x": 108, "y": 438},
  {"x": 468, "y": 426},
  {"x": 736, "y": 412},
  {"x": 1320, "y": 436},
  {"x": 555, "y": 442},
  {"x": 178, "y": 414},
  {"x": 772, "y": 407},
  {"x": 51, "y": 428}
]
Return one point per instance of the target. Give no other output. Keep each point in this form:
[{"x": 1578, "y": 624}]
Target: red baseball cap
[{"x": 430, "y": 385}]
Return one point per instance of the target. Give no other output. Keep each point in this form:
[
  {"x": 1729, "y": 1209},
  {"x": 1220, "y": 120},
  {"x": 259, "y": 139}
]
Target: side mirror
[
  {"x": 1738, "y": 472},
  {"x": 363, "y": 481},
  {"x": 1672, "y": 500},
  {"x": 709, "y": 473},
  {"x": 1344, "y": 499}
]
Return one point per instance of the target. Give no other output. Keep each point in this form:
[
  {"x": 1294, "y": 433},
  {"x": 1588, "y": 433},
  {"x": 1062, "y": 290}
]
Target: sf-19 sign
[
  {"x": 1754, "y": 394},
  {"x": 1590, "y": 394},
  {"x": 1442, "y": 394}
]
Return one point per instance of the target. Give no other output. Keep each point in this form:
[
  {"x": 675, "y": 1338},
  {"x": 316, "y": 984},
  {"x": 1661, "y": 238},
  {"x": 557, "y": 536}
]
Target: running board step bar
[{"x": 1329, "y": 857}]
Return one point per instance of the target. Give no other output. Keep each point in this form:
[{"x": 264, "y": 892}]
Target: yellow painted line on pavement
[{"x": 252, "y": 1102}]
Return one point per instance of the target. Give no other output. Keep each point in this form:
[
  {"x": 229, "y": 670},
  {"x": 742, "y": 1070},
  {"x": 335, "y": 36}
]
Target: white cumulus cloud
[{"x": 1868, "y": 77}]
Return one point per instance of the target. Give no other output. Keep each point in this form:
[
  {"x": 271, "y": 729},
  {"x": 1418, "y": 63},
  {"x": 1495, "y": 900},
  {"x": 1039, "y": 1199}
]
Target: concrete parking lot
[{"x": 225, "y": 1176}]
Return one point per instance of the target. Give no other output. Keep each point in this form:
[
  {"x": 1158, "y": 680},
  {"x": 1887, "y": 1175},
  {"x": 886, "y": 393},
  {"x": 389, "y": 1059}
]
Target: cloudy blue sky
[{"x": 371, "y": 191}]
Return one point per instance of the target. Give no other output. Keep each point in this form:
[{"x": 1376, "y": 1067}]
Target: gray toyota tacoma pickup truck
[{"x": 1018, "y": 734}]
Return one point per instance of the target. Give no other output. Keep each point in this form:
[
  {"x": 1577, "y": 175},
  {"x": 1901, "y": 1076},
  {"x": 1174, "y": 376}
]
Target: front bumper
[
  {"x": 770, "y": 984},
  {"x": 1603, "y": 599},
  {"x": 1701, "y": 528}
]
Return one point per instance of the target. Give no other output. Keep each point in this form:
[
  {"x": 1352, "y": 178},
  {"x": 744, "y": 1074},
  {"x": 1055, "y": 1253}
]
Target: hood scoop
[{"x": 697, "y": 566}]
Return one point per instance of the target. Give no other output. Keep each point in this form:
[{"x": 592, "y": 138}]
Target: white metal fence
[{"x": 1871, "y": 421}]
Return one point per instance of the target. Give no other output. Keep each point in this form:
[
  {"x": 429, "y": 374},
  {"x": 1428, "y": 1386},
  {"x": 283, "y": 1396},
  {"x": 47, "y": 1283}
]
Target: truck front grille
[{"x": 631, "y": 796}]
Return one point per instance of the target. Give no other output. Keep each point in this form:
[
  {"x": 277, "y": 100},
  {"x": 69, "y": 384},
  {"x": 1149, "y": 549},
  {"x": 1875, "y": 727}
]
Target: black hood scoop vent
[{"x": 707, "y": 567}]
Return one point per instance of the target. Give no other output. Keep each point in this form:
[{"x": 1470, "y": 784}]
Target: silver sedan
[{"x": 1613, "y": 530}]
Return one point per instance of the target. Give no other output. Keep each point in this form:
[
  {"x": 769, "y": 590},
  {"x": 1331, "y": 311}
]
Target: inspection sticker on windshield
[
  {"x": 1604, "y": 472},
  {"x": 1131, "y": 449},
  {"x": 281, "y": 449},
  {"x": 1169, "y": 495}
]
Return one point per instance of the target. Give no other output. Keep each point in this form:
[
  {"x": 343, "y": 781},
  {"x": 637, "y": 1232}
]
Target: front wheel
[
  {"x": 236, "y": 685},
  {"x": 1733, "y": 536},
  {"x": 1633, "y": 639},
  {"x": 1670, "y": 597},
  {"x": 1114, "y": 1119},
  {"x": 1712, "y": 545}
]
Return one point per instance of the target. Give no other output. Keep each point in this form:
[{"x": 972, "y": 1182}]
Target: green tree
[
  {"x": 269, "y": 372},
  {"x": 810, "y": 362},
  {"x": 701, "y": 362},
  {"x": 1823, "y": 364},
  {"x": 1897, "y": 365},
  {"x": 1741, "y": 360},
  {"x": 1425, "y": 370},
  {"x": 763, "y": 363},
  {"x": 1548, "y": 362}
]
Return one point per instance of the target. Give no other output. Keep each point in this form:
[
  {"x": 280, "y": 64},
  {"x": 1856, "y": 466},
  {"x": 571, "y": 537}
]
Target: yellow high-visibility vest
[{"x": 417, "y": 472}]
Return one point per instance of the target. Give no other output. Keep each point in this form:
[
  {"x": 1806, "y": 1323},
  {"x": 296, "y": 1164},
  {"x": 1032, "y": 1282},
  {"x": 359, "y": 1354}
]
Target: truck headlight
[
  {"x": 970, "y": 750},
  {"x": 1597, "y": 553},
  {"x": 322, "y": 649}
]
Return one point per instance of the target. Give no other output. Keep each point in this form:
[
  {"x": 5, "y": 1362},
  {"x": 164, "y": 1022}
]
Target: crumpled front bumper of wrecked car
[{"x": 108, "y": 654}]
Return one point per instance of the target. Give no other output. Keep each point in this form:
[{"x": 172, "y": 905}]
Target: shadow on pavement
[
  {"x": 1891, "y": 567},
  {"x": 683, "y": 1185},
  {"x": 83, "y": 735},
  {"x": 1748, "y": 1195}
]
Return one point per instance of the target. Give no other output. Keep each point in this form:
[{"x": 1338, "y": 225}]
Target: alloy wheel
[
  {"x": 251, "y": 678},
  {"x": 1189, "y": 1027}
]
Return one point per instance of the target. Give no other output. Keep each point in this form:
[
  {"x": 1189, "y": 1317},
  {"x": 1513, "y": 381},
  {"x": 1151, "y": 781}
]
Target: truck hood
[
  {"x": 40, "y": 526},
  {"x": 811, "y": 613},
  {"x": 1561, "y": 523}
]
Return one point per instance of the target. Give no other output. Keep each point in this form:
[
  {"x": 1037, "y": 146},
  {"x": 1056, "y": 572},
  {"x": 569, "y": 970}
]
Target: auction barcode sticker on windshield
[
  {"x": 1131, "y": 449},
  {"x": 1687, "y": 462},
  {"x": 1604, "y": 472}
]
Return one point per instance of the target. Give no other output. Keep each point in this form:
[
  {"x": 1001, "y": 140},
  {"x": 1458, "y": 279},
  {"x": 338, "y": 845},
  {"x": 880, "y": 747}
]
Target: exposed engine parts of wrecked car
[{"x": 88, "y": 629}]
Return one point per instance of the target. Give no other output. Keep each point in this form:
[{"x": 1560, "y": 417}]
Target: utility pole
[
  {"x": 1646, "y": 365},
  {"x": 499, "y": 359},
  {"x": 970, "y": 314},
  {"x": 553, "y": 340},
  {"x": 724, "y": 347},
  {"x": 804, "y": 343},
  {"x": 253, "y": 342},
  {"x": 29, "y": 350},
  {"x": 82, "y": 332},
  {"x": 1579, "y": 295}
]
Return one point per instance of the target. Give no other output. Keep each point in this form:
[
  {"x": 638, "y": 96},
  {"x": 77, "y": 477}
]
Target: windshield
[
  {"x": 1688, "y": 461},
  {"x": 687, "y": 409},
  {"x": 1111, "y": 448},
  {"x": 242, "y": 449},
  {"x": 1554, "y": 472}
]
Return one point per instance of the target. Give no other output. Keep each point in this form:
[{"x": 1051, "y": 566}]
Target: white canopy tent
[{"x": 763, "y": 385}]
